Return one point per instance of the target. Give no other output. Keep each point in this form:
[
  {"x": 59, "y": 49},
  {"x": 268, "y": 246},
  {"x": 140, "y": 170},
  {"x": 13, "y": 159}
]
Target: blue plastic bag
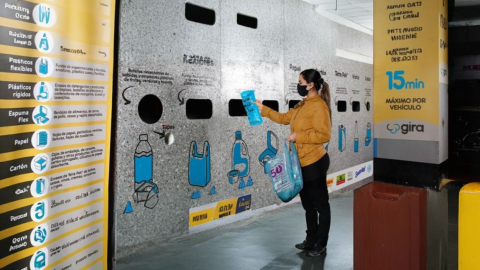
[
  {"x": 253, "y": 113},
  {"x": 286, "y": 173}
]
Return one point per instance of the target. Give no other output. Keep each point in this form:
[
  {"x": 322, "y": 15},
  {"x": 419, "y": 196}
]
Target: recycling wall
[{"x": 182, "y": 161}]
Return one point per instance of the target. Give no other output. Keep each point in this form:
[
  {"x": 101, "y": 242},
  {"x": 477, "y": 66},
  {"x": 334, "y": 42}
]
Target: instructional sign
[
  {"x": 410, "y": 64},
  {"x": 56, "y": 67}
]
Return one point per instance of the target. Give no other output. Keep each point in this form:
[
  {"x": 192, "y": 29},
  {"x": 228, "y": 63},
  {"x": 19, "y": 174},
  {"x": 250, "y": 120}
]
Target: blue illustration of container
[
  {"x": 253, "y": 114},
  {"x": 355, "y": 139},
  {"x": 233, "y": 176},
  {"x": 342, "y": 137},
  {"x": 145, "y": 189},
  {"x": 368, "y": 139},
  {"x": 143, "y": 163},
  {"x": 40, "y": 260},
  {"x": 270, "y": 152},
  {"x": 241, "y": 158},
  {"x": 40, "y": 186}
]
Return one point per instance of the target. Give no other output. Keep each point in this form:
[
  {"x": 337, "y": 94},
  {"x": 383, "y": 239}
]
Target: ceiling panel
[{"x": 357, "y": 11}]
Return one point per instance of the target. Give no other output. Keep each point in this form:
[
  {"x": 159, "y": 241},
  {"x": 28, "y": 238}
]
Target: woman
[{"x": 310, "y": 127}]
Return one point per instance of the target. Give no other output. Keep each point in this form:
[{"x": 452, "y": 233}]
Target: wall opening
[
  {"x": 199, "y": 14},
  {"x": 356, "y": 106},
  {"x": 342, "y": 106},
  {"x": 235, "y": 108},
  {"x": 292, "y": 103},
  {"x": 199, "y": 109},
  {"x": 150, "y": 109},
  {"x": 247, "y": 21},
  {"x": 272, "y": 104}
]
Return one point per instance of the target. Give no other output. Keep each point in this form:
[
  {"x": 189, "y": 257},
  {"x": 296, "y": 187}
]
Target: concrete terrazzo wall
[{"x": 157, "y": 45}]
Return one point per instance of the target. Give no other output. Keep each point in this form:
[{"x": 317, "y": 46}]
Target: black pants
[{"x": 314, "y": 196}]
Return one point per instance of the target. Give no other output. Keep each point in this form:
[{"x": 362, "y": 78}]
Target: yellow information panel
[
  {"x": 56, "y": 72},
  {"x": 410, "y": 64}
]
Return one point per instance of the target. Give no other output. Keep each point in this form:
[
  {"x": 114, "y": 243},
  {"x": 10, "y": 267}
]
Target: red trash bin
[{"x": 390, "y": 227}]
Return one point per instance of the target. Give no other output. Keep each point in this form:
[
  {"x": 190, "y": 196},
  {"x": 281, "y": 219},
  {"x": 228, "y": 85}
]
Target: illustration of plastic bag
[
  {"x": 199, "y": 165},
  {"x": 286, "y": 173}
]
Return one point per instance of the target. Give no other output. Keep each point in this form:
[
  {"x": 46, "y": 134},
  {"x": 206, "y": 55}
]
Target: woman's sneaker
[
  {"x": 305, "y": 245},
  {"x": 317, "y": 251}
]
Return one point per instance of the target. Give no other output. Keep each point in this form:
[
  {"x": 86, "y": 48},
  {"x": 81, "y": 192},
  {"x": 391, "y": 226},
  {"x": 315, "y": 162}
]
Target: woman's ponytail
[{"x": 325, "y": 95}]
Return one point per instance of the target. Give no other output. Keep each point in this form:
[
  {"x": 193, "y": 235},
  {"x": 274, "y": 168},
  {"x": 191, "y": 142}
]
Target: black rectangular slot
[
  {"x": 292, "y": 103},
  {"x": 356, "y": 106},
  {"x": 272, "y": 104},
  {"x": 199, "y": 109},
  {"x": 342, "y": 106},
  {"x": 247, "y": 21},
  {"x": 199, "y": 14},
  {"x": 235, "y": 108}
]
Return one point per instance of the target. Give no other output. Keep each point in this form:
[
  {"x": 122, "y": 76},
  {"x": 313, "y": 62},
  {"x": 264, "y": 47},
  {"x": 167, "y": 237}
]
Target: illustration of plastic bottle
[
  {"x": 368, "y": 139},
  {"x": 143, "y": 162},
  {"x": 241, "y": 158},
  {"x": 342, "y": 136},
  {"x": 253, "y": 113},
  {"x": 355, "y": 142}
]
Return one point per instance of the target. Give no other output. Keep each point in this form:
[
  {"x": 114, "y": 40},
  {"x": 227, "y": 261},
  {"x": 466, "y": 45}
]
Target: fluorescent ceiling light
[{"x": 354, "y": 56}]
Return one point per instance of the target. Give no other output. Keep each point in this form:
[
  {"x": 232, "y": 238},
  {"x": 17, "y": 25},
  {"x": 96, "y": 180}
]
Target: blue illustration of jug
[
  {"x": 40, "y": 187},
  {"x": 342, "y": 138},
  {"x": 44, "y": 43},
  {"x": 199, "y": 165},
  {"x": 253, "y": 113},
  {"x": 43, "y": 66},
  {"x": 43, "y": 92},
  {"x": 40, "y": 210},
  {"x": 368, "y": 139},
  {"x": 241, "y": 158},
  {"x": 44, "y": 14},
  {"x": 270, "y": 152},
  {"x": 355, "y": 138},
  {"x": 40, "y": 260}
]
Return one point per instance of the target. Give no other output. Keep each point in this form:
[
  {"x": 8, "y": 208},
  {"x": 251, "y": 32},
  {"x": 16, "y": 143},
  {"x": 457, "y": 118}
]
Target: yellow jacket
[{"x": 310, "y": 120}]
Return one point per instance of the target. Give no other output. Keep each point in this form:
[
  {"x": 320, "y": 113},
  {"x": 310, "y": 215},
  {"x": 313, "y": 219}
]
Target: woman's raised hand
[{"x": 259, "y": 104}]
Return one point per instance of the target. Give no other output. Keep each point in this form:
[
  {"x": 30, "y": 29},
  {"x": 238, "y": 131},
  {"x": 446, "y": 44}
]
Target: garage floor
[{"x": 266, "y": 242}]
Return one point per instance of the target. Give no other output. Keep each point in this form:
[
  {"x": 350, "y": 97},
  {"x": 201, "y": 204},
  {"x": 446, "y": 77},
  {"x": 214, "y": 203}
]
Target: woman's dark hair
[{"x": 313, "y": 76}]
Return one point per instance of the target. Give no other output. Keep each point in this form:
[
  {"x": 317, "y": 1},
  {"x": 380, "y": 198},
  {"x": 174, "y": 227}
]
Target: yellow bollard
[{"x": 469, "y": 227}]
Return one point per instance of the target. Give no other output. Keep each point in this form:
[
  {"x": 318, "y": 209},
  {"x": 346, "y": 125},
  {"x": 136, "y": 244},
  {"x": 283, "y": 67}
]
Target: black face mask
[{"x": 302, "y": 90}]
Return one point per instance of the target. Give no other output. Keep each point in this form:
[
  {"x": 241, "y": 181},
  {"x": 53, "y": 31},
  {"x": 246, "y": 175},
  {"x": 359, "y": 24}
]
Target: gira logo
[
  {"x": 393, "y": 128},
  {"x": 405, "y": 128}
]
